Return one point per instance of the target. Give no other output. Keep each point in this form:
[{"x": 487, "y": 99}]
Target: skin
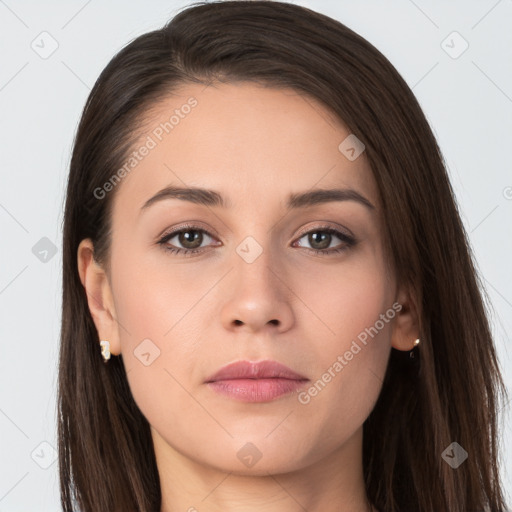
[{"x": 254, "y": 145}]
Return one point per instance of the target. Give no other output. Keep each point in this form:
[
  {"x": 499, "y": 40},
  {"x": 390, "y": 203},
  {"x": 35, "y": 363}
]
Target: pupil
[
  {"x": 325, "y": 240},
  {"x": 195, "y": 239}
]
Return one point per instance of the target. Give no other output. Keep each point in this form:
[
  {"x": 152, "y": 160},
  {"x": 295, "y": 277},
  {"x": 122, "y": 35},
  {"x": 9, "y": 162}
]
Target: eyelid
[
  {"x": 195, "y": 225},
  {"x": 192, "y": 225},
  {"x": 326, "y": 225}
]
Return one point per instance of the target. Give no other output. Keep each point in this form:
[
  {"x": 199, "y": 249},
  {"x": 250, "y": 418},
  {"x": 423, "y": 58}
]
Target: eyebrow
[{"x": 212, "y": 198}]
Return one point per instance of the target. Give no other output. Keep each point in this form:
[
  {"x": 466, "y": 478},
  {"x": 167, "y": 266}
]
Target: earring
[
  {"x": 105, "y": 350},
  {"x": 416, "y": 343}
]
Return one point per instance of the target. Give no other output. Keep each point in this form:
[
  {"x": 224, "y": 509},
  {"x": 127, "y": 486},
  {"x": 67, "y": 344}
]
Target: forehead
[{"x": 247, "y": 141}]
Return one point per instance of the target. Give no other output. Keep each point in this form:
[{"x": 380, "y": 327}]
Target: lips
[
  {"x": 255, "y": 370},
  {"x": 262, "y": 381}
]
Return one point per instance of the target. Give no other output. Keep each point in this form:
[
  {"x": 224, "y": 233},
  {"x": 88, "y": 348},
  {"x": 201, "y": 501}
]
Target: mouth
[{"x": 262, "y": 381}]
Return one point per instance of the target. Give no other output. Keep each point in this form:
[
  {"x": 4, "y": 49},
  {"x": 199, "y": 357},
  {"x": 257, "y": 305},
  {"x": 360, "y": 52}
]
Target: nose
[{"x": 259, "y": 297}]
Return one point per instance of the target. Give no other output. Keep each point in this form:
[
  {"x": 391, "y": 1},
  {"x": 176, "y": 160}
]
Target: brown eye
[
  {"x": 190, "y": 239},
  {"x": 320, "y": 239},
  {"x": 186, "y": 240}
]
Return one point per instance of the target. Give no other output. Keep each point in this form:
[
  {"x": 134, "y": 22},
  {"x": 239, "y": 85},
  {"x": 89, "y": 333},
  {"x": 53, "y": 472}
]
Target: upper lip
[{"x": 255, "y": 370}]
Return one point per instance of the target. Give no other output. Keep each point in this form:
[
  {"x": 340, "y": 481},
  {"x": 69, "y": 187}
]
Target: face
[{"x": 265, "y": 278}]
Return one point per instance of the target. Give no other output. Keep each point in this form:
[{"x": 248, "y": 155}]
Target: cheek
[
  {"x": 153, "y": 297},
  {"x": 158, "y": 314},
  {"x": 345, "y": 299},
  {"x": 352, "y": 320}
]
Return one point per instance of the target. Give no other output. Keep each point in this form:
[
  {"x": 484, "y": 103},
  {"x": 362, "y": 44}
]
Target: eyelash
[{"x": 348, "y": 240}]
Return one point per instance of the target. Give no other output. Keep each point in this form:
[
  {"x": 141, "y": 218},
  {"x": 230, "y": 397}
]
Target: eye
[
  {"x": 320, "y": 238},
  {"x": 190, "y": 238}
]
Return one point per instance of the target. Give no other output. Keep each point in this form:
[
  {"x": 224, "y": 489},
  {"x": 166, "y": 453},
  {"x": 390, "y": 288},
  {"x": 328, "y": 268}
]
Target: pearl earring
[
  {"x": 105, "y": 350},
  {"x": 415, "y": 344}
]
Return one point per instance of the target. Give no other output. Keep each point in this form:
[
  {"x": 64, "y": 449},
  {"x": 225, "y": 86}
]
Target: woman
[{"x": 269, "y": 301}]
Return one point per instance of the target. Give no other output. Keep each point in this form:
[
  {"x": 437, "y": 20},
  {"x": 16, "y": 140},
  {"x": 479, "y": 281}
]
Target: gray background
[{"x": 467, "y": 99}]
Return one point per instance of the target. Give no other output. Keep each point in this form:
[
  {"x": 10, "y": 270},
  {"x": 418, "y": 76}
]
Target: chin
[{"x": 256, "y": 458}]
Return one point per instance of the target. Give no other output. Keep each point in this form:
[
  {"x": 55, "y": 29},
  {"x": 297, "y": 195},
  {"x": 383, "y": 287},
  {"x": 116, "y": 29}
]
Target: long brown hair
[{"x": 451, "y": 390}]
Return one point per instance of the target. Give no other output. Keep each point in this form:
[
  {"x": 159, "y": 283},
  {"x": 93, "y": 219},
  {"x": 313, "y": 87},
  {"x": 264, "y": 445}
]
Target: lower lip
[{"x": 256, "y": 390}]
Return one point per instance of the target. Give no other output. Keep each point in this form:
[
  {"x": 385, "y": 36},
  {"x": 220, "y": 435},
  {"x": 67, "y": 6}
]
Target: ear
[
  {"x": 99, "y": 296},
  {"x": 406, "y": 325}
]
